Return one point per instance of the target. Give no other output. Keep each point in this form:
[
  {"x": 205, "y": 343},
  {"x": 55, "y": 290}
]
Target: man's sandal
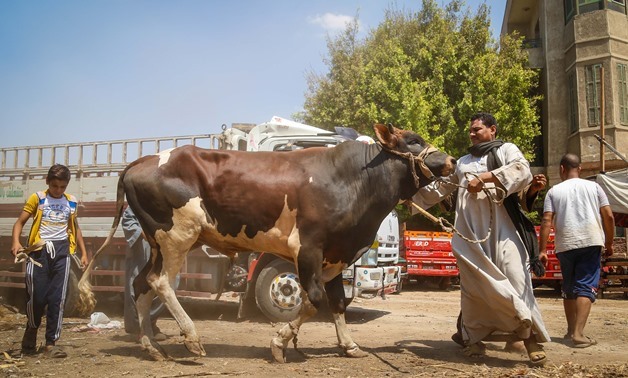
[
  {"x": 584, "y": 344},
  {"x": 476, "y": 350},
  {"x": 536, "y": 354}
]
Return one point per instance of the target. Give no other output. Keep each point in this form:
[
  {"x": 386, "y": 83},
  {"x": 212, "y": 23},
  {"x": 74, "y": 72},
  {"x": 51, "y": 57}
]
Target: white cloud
[{"x": 331, "y": 22}]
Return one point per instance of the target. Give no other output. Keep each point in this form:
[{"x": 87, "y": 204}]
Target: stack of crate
[{"x": 429, "y": 254}]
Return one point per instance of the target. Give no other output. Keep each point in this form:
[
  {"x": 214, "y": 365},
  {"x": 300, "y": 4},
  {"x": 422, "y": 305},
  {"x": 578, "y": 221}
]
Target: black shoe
[
  {"x": 457, "y": 338},
  {"x": 29, "y": 341}
]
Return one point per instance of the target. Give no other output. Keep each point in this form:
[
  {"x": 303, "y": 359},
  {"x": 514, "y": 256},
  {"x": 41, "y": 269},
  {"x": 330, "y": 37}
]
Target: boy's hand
[
  {"x": 84, "y": 261},
  {"x": 16, "y": 248}
]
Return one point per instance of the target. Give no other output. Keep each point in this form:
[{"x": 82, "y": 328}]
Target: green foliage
[{"x": 427, "y": 71}]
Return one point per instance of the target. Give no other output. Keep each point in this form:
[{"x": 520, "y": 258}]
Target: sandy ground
[{"x": 405, "y": 335}]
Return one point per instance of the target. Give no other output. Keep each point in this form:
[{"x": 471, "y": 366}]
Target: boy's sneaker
[{"x": 29, "y": 341}]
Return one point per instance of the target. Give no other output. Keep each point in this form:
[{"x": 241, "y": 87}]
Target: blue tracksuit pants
[{"x": 46, "y": 287}]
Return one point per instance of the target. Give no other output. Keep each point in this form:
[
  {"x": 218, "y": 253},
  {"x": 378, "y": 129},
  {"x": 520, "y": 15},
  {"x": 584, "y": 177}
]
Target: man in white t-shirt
[{"x": 583, "y": 224}]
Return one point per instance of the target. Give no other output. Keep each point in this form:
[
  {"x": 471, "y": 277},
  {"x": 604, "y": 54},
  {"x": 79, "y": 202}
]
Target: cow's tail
[{"x": 87, "y": 301}]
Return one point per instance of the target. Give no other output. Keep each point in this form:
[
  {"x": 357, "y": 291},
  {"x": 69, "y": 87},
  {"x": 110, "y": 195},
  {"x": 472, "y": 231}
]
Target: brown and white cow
[{"x": 317, "y": 207}]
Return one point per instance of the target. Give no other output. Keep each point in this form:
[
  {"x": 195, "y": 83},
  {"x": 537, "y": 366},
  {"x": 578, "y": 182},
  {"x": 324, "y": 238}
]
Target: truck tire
[
  {"x": 277, "y": 291},
  {"x": 72, "y": 298}
]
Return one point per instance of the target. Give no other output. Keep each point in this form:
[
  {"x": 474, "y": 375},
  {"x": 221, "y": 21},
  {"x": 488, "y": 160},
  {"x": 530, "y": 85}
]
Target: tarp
[{"x": 615, "y": 185}]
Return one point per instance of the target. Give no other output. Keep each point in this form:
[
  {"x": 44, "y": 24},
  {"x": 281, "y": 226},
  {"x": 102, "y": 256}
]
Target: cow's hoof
[
  {"x": 155, "y": 351},
  {"x": 356, "y": 352},
  {"x": 278, "y": 349},
  {"x": 195, "y": 347}
]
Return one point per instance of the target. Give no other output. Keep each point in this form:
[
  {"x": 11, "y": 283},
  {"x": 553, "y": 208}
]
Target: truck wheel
[
  {"x": 72, "y": 298},
  {"x": 277, "y": 291}
]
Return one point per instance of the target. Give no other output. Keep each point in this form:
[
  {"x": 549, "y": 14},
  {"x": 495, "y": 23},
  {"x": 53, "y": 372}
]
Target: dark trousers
[
  {"x": 46, "y": 287},
  {"x": 136, "y": 258}
]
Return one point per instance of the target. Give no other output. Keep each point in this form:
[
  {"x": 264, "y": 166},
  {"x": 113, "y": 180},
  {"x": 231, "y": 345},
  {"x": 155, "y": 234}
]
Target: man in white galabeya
[
  {"x": 583, "y": 224},
  {"x": 496, "y": 286}
]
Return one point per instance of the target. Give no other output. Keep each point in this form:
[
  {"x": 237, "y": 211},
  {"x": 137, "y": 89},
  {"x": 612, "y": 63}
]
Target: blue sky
[{"x": 78, "y": 71}]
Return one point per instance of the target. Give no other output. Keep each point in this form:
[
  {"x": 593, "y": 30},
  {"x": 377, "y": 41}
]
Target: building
[{"x": 581, "y": 50}]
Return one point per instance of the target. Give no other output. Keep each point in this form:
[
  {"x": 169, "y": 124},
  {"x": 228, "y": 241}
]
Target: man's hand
[
  {"x": 543, "y": 257},
  {"x": 538, "y": 183},
  {"x": 608, "y": 249},
  {"x": 475, "y": 186}
]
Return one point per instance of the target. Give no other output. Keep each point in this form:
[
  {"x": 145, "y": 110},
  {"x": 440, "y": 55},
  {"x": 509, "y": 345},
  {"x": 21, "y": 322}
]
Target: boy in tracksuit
[{"x": 54, "y": 223}]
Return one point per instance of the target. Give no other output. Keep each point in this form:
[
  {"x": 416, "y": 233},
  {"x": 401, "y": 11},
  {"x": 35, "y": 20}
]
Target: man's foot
[
  {"x": 29, "y": 341},
  {"x": 583, "y": 343},
  {"x": 536, "y": 354},
  {"x": 514, "y": 347},
  {"x": 54, "y": 351},
  {"x": 457, "y": 338},
  {"x": 158, "y": 335}
]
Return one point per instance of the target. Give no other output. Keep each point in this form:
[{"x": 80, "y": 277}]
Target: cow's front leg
[
  {"x": 310, "y": 271},
  {"x": 279, "y": 343},
  {"x": 337, "y": 304}
]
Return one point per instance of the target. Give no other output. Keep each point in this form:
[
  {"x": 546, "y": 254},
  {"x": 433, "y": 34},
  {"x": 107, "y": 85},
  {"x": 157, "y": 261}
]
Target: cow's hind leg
[
  {"x": 162, "y": 285},
  {"x": 144, "y": 295},
  {"x": 337, "y": 304}
]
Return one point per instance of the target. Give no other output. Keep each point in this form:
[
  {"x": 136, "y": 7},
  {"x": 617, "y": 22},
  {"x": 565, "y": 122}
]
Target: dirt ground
[{"x": 405, "y": 335}]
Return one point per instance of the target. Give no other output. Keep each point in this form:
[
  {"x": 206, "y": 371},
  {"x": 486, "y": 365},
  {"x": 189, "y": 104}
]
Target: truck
[
  {"x": 262, "y": 281},
  {"x": 428, "y": 256}
]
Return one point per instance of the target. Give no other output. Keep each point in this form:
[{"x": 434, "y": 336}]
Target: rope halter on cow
[{"x": 415, "y": 160}]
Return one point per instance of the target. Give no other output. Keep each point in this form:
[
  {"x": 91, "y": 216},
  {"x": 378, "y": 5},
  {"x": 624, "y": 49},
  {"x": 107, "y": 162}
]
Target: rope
[
  {"x": 446, "y": 225},
  {"x": 22, "y": 254}
]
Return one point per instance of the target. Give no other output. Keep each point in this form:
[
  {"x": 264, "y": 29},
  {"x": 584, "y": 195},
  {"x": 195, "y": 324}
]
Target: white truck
[{"x": 265, "y": 282}]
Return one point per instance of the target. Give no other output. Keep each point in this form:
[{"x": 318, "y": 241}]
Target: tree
[{"x": 427, "y": 71}]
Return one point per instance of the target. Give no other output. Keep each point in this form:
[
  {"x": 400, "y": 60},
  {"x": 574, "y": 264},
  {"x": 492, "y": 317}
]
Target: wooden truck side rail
[{"x": 92, "y": 158}]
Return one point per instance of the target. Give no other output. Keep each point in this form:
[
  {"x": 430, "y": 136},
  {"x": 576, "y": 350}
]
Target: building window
[
  {"x": 573, "y": 104},
  {"x": 570, "y": 9},
  {"x": 585, "y": 6},
  {"x": 617, "y": 5},
  {"x": 623, "y": 92},
  {"x": 592, "y": 75}
]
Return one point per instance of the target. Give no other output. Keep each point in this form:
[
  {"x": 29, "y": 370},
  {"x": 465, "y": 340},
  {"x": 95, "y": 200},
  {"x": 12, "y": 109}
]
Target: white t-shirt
[
  {"x": 55, "y": 217},
  {"x": 576, "y": 206}
]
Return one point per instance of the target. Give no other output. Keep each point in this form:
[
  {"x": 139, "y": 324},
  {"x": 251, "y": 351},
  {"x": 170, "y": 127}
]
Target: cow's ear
[{"x": 385, "y": 135}]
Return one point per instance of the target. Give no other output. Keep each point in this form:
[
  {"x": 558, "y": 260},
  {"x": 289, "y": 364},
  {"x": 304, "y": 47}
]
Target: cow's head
[{"x": 426, "y": 159}]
